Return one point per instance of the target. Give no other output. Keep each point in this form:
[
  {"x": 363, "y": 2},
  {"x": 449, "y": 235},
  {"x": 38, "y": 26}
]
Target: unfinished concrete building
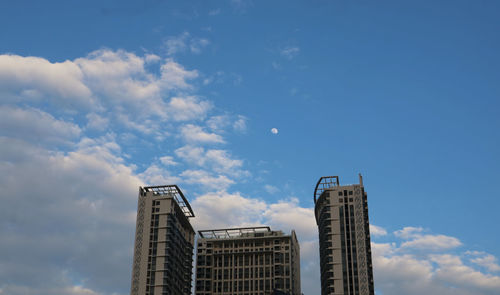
[
  {"x": 164, "y": 240},
  {"x": 344, "y": 237},
  {"x": 249, "y": 261}
]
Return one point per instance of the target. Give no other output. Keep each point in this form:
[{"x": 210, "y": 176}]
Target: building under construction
[{"x": 250, "y": 261}]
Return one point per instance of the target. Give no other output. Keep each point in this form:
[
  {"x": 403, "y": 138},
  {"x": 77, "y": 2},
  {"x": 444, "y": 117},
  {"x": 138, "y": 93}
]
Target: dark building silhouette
[
  {"x": 247, "y": 261},
  {"x": 164, "y": 240},
  {"x": 344, "y": 237}
]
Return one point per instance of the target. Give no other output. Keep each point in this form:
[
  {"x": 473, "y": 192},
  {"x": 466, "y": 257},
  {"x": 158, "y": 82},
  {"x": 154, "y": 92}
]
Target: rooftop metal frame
[
  {"x": 228, "y": 233},
  {"x": 175, "y": 192},
  {"x": 324, "y": 183}
]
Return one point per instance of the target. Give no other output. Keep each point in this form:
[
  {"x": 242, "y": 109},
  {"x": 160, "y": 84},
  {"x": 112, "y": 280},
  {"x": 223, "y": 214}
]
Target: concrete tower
[
  {"x": 164, "y": 240},
  {"x": 344, "y": 237}
]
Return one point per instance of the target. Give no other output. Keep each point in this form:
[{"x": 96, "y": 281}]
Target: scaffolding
[{"x": 172, "y": 191}]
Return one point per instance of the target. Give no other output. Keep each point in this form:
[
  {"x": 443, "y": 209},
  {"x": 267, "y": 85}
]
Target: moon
[{"x": 274, "y": 131}]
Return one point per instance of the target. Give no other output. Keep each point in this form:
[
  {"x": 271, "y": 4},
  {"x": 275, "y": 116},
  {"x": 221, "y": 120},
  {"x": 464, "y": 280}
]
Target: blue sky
[{"x": 99, "y": 97}]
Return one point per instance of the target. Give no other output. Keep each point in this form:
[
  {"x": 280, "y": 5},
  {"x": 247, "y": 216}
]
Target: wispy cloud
[
  {"x": 214, "y": 12},
  {"x": 195, "y": 134},
  {"x": 290, "y": 52},
  {"x": 184, "y": 42}
]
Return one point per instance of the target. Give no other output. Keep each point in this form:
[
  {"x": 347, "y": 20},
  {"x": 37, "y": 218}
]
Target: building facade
[
  {"x": 247, "y": 261},
  {"x": 164, "y": 241},
  {"x": 344, "y": 237}
]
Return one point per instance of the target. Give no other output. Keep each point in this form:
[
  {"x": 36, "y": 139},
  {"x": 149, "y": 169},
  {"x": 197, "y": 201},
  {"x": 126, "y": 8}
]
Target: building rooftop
[
  {"x": 323, "y": 184},
  {"x": 328, "y": 182},
  {"x": 174, "y": 191},
  {"x": 230, "y": 233}
]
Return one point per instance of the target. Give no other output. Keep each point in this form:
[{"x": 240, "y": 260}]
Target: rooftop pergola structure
[
  {"x": 229, "y": 233},
  {"x": 323, "y": 184},
  {"x": 172, "y": 191}
]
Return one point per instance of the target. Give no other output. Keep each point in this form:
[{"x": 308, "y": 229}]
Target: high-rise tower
[
  {"x": 249, "y": 261},
  {"x": 344, "y": 237},
  {"x": 164, "y": 240}
]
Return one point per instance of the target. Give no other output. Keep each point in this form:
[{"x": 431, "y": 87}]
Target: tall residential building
[
  {"x": 164, "y": 240},
  {"x": 344, "y": 237},
  {"x": 249, "y": 261}
]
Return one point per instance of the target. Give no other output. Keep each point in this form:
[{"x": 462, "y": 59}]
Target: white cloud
[
  {"x": 109, "y": 87},
  {"x": 288, "y": 214},
  {"x": 175, "y": 44},
  {"x": 428, "y": 267},
  {"x": 236, "y": 209},
  {"x": 432, "y": 242},
  {"x": 188, "y": 108},
  {"x": 155, "y": 175},
  {"x": 184, "y": 42},
  {"x": 197, "y": 44},
  {"x": 36, "y": 126},
  {"x": 452, "y": 270},
  {"x": 240, "y": 125},
  {"x": 290, "y": 52},
  {"x": 34, "y": 79},
  {"x": 377, "y": 231},
  {"x": 271, "y": 189},
  {"x": 485, "y": 260},
  {"x": 216, "y": 160},
  {"x": 97, "y": 122},
  {"x": 151, "y": 58},
  {"x": 73, "y": 210},
  {"x": 79, "y": 195},
  {"x": 168, "y": 161},
  {"x": 206, "y": 180},
  {"x": 173, "y": 75},
  {"x": 193, "y": 133},
  {"x": 417, "y": 240},
  {"x": 408, "y": 232},
  {"x": 218, "y": 123}
]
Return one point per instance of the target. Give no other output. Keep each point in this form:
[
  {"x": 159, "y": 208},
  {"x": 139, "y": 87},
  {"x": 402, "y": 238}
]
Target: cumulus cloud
[
  {"x": 168, "y": 161},
  {"x": 188, "y": 108},
  {"x": 485, "y": 260},
  {"x": 69, "y": 196},
  {"x": 195, "y": 134},
  {"x": 155, "y": 175},
  {"x": 377, "y": 231},
  {"x": 417, "y": 240},
  {"x": 206, "y": 179},
  {"x": 36, "y": 126},
  {"x": 109, "y": 86},
  {"x": 428, "y": 267},
  {"x": 271, "y": 189},
  {"x": 216, "y": 160},
  {"x": 72, "y": 211},
  {"x": 34, "y": 78},
  {"x": 97, "y": 122}
]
